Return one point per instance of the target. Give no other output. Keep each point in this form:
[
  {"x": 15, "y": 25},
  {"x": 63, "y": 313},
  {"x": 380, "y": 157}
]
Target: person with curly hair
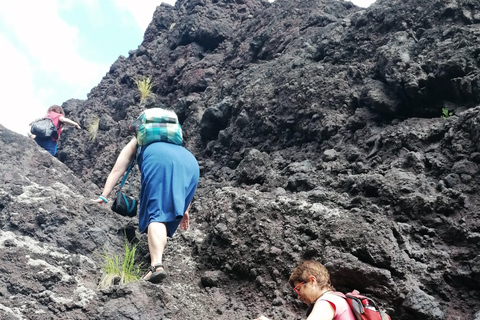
[{"x": 311, "y": 282}]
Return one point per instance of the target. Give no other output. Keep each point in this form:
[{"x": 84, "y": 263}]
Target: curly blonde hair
[{"x": 310, "y": 268}]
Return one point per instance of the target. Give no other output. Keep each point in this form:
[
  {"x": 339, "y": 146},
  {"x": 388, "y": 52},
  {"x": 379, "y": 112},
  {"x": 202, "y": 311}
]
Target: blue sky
[{"x": 55, "y": 50}]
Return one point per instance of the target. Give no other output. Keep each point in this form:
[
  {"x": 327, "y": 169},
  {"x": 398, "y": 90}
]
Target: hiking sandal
[{"x": 156, "y": 276}]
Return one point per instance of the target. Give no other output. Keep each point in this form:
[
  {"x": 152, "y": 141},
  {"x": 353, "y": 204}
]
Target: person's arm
[
  {"x": 121, "y": 165},
  {"x": 68, "y": 121},
  {"x": 322, "y": 310}
]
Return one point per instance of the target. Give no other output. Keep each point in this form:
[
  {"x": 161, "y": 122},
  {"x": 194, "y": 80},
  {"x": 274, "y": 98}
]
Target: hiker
[
  {"x": 57, "y": 115},
  {"x": 311, "y": 282},
  {"x": 169, "y": 178}
]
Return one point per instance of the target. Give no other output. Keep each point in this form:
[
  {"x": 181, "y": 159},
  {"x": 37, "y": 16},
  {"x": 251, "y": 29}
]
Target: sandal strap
[{"x": 155, "y": 266}]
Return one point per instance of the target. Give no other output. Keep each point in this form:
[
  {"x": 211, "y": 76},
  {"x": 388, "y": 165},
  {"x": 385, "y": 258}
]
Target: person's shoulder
[
  {"x": 324, "y": 307},
  {"x": 54, "y": 114},
  {"x": 342, "y": 308},
  {"x": 335, "y": 297}
]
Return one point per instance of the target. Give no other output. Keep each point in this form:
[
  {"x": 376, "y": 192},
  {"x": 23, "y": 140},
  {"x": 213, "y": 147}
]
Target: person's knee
[{"x": 157, "y": 227}]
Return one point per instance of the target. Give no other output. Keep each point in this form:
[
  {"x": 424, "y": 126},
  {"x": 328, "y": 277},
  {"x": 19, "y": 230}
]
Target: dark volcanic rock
[
  {"x": 53, "y": 240},
  {"x": 318, "y": 128}
]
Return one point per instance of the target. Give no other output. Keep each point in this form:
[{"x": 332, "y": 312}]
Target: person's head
[
  {"x": 56, "y": 109},
  {"x": 309, "y": 280}
]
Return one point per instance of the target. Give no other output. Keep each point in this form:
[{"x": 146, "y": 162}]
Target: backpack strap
[
  {"x": 355, "y": 295},
  {"x": 130, "y": 166},
  {"x": 354, "y": 304},
  {"x": 59, "y": 122},
  {"x": 138, "y": 151}
]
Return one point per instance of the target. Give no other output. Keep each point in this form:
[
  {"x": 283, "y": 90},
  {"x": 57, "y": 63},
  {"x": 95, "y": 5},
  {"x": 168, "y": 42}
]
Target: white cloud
[
  {"x": 40, "y": 58},
  {"x": 50, "y": 42},
  {"x": 19, "y": 107},
  {"x": 362, "y": 3},
  {"x": 142, "y": 10}
]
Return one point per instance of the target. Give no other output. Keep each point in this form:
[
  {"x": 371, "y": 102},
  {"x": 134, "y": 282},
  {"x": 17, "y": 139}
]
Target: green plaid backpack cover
[{"x": 157, "y": 124}]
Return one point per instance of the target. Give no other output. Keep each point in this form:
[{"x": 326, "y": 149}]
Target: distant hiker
[
  {"x": 311, "y": 282},
  {"x": 169, "y": 178},
  {"x": 57, "y": 116}
]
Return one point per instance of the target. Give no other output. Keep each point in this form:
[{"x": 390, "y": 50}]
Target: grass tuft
[
  {"x": 120, "y": 270},
  {"x": 145, "y": 87},
  {"x": 93, "y": 129}
]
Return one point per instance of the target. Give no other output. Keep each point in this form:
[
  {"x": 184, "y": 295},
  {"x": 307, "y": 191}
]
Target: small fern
[
  {"x": 145, "y": 87},
  {"x": 93, "y": 129},
  {"x": 446, "y": 113}
]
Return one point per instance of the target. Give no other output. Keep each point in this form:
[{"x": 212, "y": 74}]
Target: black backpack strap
[
  {"x": 130, "y": 166},
  {"x": 138, "y": 151}
]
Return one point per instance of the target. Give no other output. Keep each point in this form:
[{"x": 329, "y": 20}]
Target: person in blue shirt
[{"x": 169, "y": 178}]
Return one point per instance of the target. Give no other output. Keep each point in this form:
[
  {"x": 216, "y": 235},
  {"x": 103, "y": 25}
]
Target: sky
[{"x": 55, "y": 50}]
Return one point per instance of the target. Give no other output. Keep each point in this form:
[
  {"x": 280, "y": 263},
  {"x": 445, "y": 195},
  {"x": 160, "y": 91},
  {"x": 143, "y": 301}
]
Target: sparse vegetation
[
  {"x": 93, "y": 129},
  {"x": 145, "y": 87},
  {"x": 120, "y": 270},
  {"x": 446, "y": 113}
]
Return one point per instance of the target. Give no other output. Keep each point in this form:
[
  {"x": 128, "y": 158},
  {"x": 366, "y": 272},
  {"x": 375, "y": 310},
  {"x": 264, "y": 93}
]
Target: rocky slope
[{"x": 318, "y": 128}]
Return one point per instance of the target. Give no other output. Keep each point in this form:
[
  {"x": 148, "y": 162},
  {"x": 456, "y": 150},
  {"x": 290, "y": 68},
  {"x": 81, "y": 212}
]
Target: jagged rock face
[
  {"x": 48, "y": 235},
  {"x": 317, "y": 125}
]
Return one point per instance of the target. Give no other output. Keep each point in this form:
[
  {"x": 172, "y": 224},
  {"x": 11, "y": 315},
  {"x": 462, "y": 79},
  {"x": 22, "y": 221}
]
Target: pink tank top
[
  {"x": 342, "y": 309},
  {"x": 55, "y": 117}
]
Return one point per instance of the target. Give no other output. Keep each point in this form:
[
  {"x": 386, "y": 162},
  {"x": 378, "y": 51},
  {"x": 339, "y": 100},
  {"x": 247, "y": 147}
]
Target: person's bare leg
[{"x": 157, "y": 240}]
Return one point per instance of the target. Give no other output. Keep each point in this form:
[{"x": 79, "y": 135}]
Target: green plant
[
  {"x": 446, "y": 113},
  {"x": 93, "y": 129},
  {"x": 120, "y": 269},
  {"x": 145, "y": 87}
]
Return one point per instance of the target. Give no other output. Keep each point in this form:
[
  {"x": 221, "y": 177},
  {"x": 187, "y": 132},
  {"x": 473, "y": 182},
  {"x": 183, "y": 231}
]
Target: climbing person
[
  {"x": 169, "y": 178},
  {"x": 311, "y": 282},
  {"x": 57, "y": 115}
]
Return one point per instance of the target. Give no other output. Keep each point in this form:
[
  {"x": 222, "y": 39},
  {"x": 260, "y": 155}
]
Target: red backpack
[{"x": 363, "y": 307}]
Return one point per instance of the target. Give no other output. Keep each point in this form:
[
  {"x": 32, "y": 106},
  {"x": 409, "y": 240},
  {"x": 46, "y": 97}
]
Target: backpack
[
  {"x": 363, "y": 307},
  {"x": 157, "y": 124},
  {"x": 43, "y": 128}
]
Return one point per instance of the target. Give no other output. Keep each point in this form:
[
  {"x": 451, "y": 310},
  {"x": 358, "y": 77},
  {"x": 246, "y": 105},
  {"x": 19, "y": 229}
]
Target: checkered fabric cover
[
  {"x": 159, "y": 125},
  {"x": 159, "y": 115}
]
